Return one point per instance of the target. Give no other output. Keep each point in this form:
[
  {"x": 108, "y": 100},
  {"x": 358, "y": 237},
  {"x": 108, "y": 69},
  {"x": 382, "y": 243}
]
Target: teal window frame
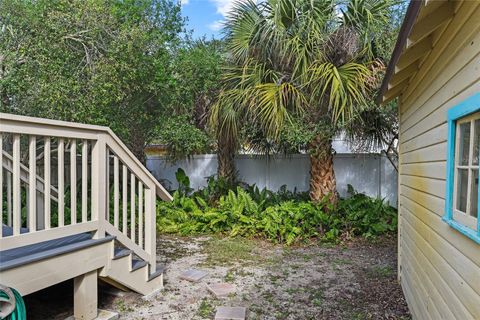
[{"x": 463, "y": 109}]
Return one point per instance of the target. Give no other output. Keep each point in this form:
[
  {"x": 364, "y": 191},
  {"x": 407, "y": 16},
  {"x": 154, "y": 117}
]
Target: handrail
[
  {"x": 127, "y": 242},
  {"x": 57, "y": 128},
  {"x": 135, "y": 165}
]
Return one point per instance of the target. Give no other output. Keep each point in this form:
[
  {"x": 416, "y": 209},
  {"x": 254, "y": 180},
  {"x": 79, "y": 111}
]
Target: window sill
[{"x": 472, "y": 234}]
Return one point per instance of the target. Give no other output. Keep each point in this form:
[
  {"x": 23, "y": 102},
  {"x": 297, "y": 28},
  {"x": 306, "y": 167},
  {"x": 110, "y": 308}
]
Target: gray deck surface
[{"x": 27, "y": 254}]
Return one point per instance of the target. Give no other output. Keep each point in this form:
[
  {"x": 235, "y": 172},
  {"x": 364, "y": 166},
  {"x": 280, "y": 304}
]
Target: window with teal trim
[{"x": 462, "y": 209}]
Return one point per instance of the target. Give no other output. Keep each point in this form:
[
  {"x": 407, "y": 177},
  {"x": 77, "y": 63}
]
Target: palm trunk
[
  {"x": 226, "y": 160},
  {"x": 322, "y": 174}
]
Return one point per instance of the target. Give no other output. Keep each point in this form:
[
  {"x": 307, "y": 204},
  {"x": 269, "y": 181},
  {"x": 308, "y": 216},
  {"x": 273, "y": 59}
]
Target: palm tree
[{"x": 311, "y": 60}]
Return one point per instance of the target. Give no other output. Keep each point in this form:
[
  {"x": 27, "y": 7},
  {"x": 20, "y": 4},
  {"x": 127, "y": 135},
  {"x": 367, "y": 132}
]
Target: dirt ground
[{"x": 356, "y": 280}]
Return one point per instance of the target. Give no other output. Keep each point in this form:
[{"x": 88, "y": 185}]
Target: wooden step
[
  {"x": 120, "y": 253},
  {"x": 137, "y": 264},
  {"x": 159, "y": 271}
]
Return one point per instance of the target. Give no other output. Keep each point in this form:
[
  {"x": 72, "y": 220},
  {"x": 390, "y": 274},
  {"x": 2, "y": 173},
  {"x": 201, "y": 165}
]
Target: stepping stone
[
  {"x": 221, "y": 290},
  {"x": 193, "y": 275},
  {"x": 230, "y": 313}
]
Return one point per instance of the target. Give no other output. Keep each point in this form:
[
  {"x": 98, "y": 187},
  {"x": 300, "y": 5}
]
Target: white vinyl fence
[{"x": 371, "y": 174}]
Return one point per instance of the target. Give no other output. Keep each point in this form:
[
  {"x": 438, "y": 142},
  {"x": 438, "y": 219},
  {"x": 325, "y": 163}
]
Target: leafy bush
[
  {"x": 279, "y": 217},
  {"x": 366, "y": 216}
]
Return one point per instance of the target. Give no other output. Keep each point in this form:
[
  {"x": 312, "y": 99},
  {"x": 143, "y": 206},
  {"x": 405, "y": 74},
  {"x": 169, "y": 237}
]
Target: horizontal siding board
[
  {"x": 413, "y": 301},
  {"x": 435, "y": 170},
  {"x": 427, "y": 185},
  {"x": 439, "y": 251},
  {"x": 426, "y": 309},
  {"x": 463, "y": 300},
  {"x": 429, "y": 138},
  {"x": 434, "y": 153},
  {"x": 459, "y": 242},
  {"x": 433, "y": 113},
  {"x": 412, "y": 249},
  {"x": 456, "y": 96},
  {"x": 446, "y": 84},
  {"x": 428, "y": 280},
  {"x": 432, "y": 203}
]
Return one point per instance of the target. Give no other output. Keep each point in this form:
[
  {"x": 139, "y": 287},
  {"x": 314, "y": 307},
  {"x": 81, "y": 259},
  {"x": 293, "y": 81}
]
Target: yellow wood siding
[{"x": 439, "y": 267}]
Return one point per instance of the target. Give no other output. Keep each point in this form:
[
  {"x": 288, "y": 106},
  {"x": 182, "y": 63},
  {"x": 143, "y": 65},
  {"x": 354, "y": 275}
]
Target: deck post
[
  {"x": 99, "y": 192},
  {"x": 150, "y": 226},
  {"x": 85, "y": 298}
]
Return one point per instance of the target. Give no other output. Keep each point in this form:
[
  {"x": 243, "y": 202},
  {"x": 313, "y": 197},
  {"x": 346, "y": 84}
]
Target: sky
[{"x": 205, "y": 16}]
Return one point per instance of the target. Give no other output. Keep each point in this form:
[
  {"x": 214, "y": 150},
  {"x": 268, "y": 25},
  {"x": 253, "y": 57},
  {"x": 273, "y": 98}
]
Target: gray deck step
[
  {"x": 137, "y": 264},
  {"x": 159, "y": 270},
  {"x": 47, "y": 249},
  {"x": 120, "y": 253}
]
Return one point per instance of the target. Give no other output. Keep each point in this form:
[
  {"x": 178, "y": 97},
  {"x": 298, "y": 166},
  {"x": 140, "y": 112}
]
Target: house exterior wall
[{"x": 439, "y": 268}]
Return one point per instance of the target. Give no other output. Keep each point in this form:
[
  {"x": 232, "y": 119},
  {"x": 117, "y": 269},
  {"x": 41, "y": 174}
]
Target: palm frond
[{"x": 345, "y": 87}]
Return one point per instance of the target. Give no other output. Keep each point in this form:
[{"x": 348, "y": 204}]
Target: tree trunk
[
  {"x": 322, "y": 174},
  {"x": 226, "y": 160},
  {"x": 137, "y": 146}
]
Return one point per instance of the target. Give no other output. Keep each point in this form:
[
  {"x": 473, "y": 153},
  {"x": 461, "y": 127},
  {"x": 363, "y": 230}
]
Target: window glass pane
[
  {"x": 476, "y": 142},
  {"x": 474, "y": 194},
  {"x": 462, "y": 185},
  {"x": 464, "y": 141}
]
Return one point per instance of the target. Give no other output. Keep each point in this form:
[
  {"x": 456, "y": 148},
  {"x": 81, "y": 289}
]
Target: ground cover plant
[{"x": 281, "y": 217}]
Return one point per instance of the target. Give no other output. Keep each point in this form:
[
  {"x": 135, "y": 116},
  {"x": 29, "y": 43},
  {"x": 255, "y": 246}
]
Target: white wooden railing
[{"x": 46, "y": 161}]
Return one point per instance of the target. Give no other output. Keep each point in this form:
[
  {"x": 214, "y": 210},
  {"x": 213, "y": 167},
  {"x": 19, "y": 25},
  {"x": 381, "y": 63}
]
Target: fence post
[
  {"x": 150, "y": 226},
  {"x": 99, "y": 191}
]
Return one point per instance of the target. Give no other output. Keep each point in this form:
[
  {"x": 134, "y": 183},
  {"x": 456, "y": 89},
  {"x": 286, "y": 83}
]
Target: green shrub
[
  {"x": 366, "y": 216},
  {"x": 249, "y": 212}
]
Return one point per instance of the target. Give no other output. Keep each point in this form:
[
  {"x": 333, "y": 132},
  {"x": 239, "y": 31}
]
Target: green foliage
[
  {"x": 100, "y": 62},
  {"x": 127, "y": 64},
  {"x": 182, "y": 137},
  {"x": 216, "y": 187},
  {"x": 289, "y": 58},
  {"x": 362, "y": 215},
  {"x": 282, "y": 217},
  {"x": 183, "y": 182}
]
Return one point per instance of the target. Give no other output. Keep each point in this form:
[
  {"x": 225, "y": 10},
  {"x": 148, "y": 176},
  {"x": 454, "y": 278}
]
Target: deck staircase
[{"x": 75, "y": 204}]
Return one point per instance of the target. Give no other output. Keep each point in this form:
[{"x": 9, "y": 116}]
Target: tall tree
[
  {"x": 105, "y": 62},
  {"x": 308, "y": 63},
  {"x": 195, "y": 84}
]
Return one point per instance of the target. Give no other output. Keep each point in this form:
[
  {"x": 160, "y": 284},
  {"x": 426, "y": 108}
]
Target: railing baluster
[
  {"x": 61, "y": 182},
  {"x": 17, "y": 210},
  {"x": 9, "y": 199},
  {"x": 140, "y": 214},
  {"x": 132, "y": 207},
  {"x": 115, "y": 191},
  {"x": 124, "y": 199},
  {"x": 73, "y": 181},
  {"x": 47, "y": 182},
  {"x": 32, "y": 184},
  {"x": 1, "y": 184},
  {"x": 84, "y": 181},
  {"x": 107, "y": 185}
]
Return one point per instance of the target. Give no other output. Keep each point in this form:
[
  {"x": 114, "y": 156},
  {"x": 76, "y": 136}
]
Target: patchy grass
[
  {"x": 356, "y": 280},
  {"x": 380, "y": 271},
  {"x": 206, "y": 309},
  {"x": 229, "y": 251}
]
